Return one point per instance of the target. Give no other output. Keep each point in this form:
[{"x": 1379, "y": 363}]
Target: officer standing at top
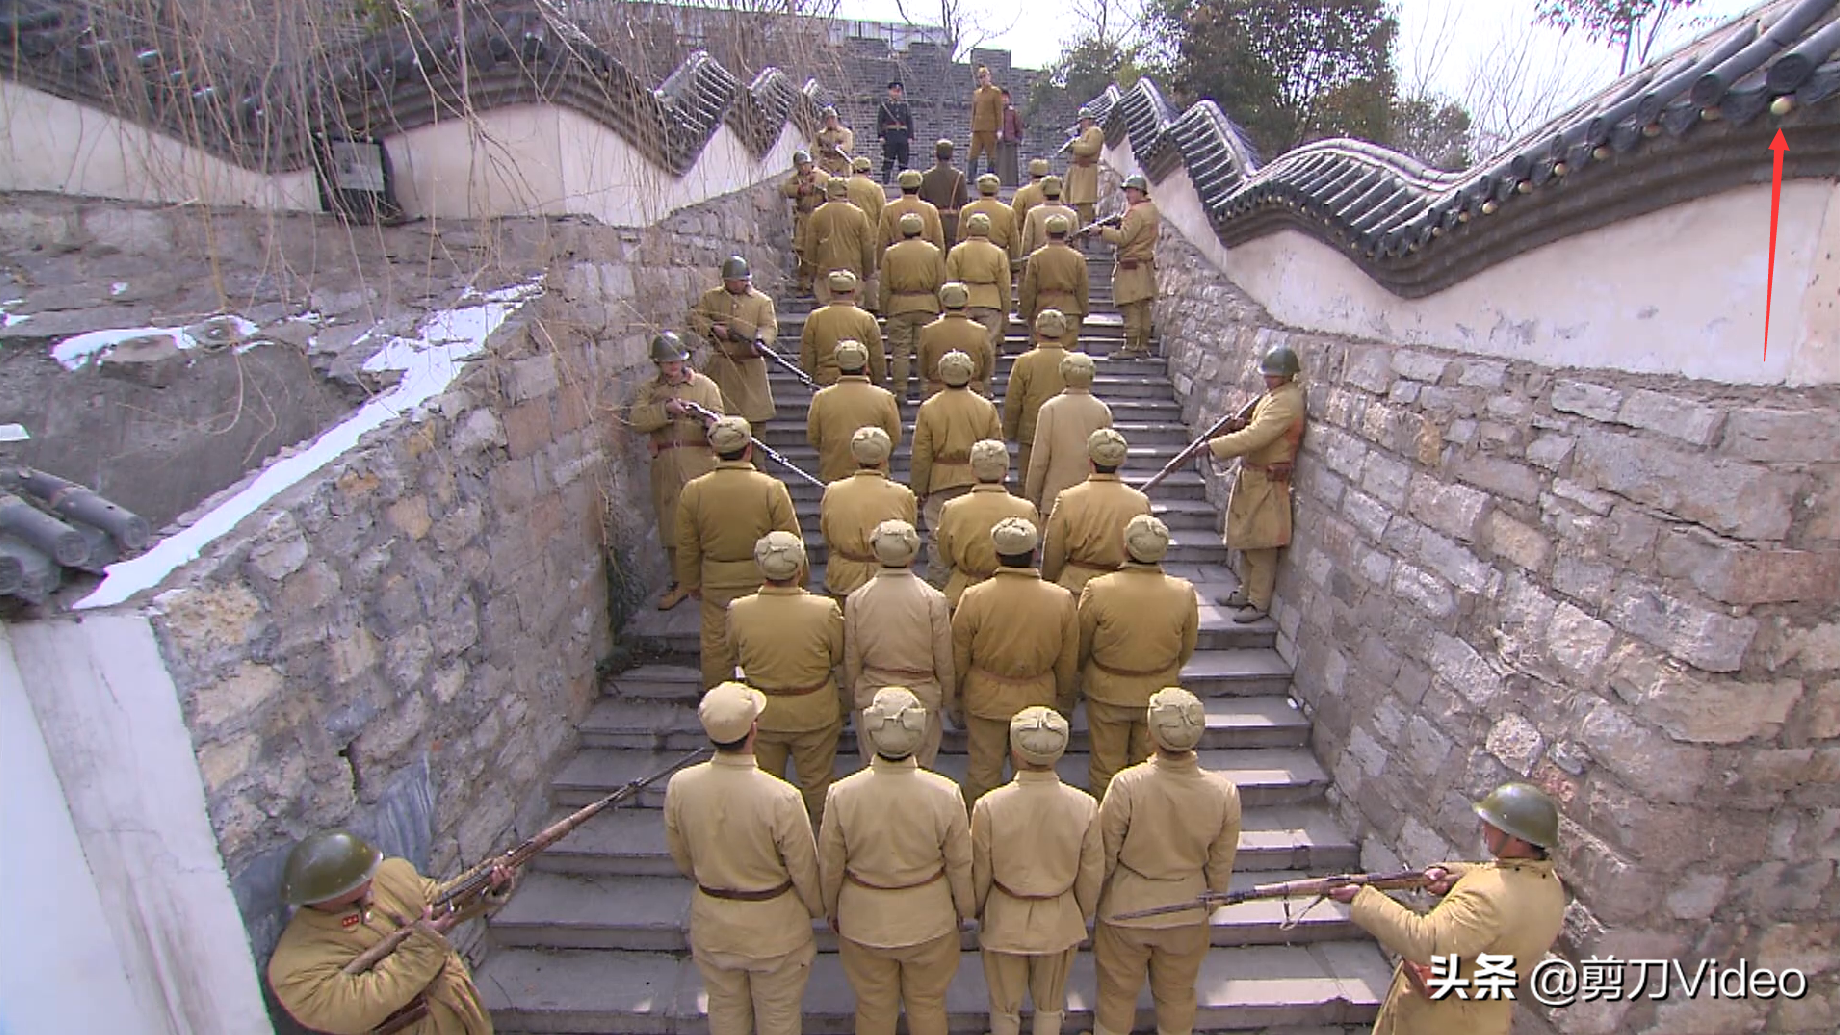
[
  {"x": 1083, "y": 171},
  {"x": 897, "y": 631},
  {"x": 1085, "y": 537},
  {"x": 730, "y": 318},
  {"x": 1134, "y": 275},
  {"x": 679, "y": 442},
  {"x": 894, "y": 124},
  {"x": 1259, "y": 508},
  {"x": 986, "y": 120}
]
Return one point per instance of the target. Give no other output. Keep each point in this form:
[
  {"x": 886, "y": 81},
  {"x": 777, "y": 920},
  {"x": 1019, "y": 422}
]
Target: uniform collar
[
  {"x": 733, "y": 465},
  {"x": 1097, "y": 477},
  {"x": 1188, "y": 762},
  {"x": 735, "y": 760},
  {"x": 1141, "y": 566},
  {"x": 853, "y": 377},
  {"x": 1020, "y": 573},
  {"x": 880, "y": 764},
  {"x": 990, "y": 487},
  {"x": 1071, "y": 390},
  {"x": 868, "y": 472},
  {"x": 1537, "y": 867},
  {"x": 780, "y": 591},
  {"x": 1050, "y": 776},
  {"x": 1043, "y": 346},
  {"x": 886, "y": 572}
]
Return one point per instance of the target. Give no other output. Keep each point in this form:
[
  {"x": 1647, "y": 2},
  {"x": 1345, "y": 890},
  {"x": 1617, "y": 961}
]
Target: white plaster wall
[
  {"x": 1679, "y": 291},
  {"x": 124, "y": 759}
]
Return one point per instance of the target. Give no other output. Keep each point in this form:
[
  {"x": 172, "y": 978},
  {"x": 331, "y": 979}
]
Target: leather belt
[
  {"x": 1275, "y": 472},
  {"x": 850, "y": 875},
  {"x": 1020, "y": 897},
  {"x": 955, "y": 459},
  {"x": 730, "y": 895},
  {"x": 1084, "y": 162},
  {"x": 916, "y": 294},
  {"x": 1126, "y": 672},
  {"x": 1131, "y": 264},
  {"x": 1011, "y": 680},
  {"x": 793, "y": 691},
  {"x": 917, "y": 673}
]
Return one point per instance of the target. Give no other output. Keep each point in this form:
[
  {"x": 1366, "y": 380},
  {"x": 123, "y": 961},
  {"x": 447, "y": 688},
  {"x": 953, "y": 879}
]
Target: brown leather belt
[
  {"x": 917, "y": 673},
  {"x": 796, "y": 691},
  {"x": 411, "y": 1013},
  {"x": 1084, "y": 162},
  {"x": 1011, "y": 680},
  {"x": 1275, "y": 472},
  {"x": 1020, "y": 897},
  {"x": 1131, "y": 264},
  {"x": 1126, "y": 672},
  {"x": 915, "y": 294},
  {"x": 850, "y": 875},
  {"x": 730, "y": 895},
  {"x": 959, "y": 459}
]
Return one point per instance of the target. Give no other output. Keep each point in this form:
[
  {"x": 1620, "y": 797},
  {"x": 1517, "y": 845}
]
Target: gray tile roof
[{"x": 48, "y": 524}]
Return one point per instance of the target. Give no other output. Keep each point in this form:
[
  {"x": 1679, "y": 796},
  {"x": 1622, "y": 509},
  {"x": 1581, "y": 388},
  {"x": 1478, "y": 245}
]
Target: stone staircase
[{"x": 596, "y": 940}]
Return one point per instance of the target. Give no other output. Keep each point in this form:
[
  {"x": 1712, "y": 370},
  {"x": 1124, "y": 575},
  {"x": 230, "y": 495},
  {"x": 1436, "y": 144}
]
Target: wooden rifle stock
[
  {"x": 1194, "y": 448},
  {"x": 1316, "y": 887}
]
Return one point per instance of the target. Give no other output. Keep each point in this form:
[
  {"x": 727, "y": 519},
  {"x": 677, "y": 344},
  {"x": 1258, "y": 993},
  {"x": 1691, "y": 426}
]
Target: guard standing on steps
[
  {"x": 719, "y": 519},
  {"x": 1015, "y": 642},
  {"x": 1134, "y": 276},
  {"x": 805, "y": 187},
  {"x": 955, "y": 331},
  {"x": 1037, "y": 863},
  {"x": 786, "y": 642},
  {"x": 1171, "y": 829},
  {"x": 1056, "y": 278},
  {"x": 984, "y": 270},
  {"x": 1086, "y": 527},
  {"x": 962, "y": 539},
  {"x": 911, "y": 201},
  {"x": 1004, "y": 233},
  {"x": 1034, "y": 378},
  {"x": 838, "y": 236},
  {"x": 730, "y": 318},
  {"x": 1035, "y": 226},
  {"x": 744, "y": 837},
  {"x": 1512, "y": 906},
  {"x": 1138, "y": 627},
  {"x": 679, "y": 442},
  {"x": 838, "y": 410},
  {"x": 1059, "y": 458},
  {"x": 841, "y": 320},
  {"x": 1259, "y": 508},
  {"x": 894, "y": 854},
  {"x": 944, "y": 430},
  {"x": 894, "y": 123},
  {"x": 913, "y": 271},
  {"x": 943, "y": 186},
  {"x": 854, "y": 507},
  {"x": 1083, "y": 172},
  {"x": 1028, "y": 195},
  {"x": 897, "y": 631},
  {"x": 865, "y": 193},
  {"x": 835, "y": 142}
]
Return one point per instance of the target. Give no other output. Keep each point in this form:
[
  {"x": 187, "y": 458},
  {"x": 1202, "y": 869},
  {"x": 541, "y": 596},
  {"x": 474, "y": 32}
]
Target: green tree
[
  {"x": 1434, "y": 130},
  {"x": 1629, "y": 25}
]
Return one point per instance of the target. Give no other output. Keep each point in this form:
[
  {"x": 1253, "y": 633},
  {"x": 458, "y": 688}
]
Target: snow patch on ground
[{"x": 73, "y": 352}]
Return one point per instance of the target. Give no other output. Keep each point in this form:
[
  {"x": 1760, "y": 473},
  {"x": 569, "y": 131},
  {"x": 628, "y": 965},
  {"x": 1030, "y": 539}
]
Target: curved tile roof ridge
[
  {"x": 1686, "y": 126},
  {"x": 510, "y": 53}
]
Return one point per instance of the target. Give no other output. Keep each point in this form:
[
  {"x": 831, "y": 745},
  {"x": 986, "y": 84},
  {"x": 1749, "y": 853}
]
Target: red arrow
[{"x": 1777, "y": 146}]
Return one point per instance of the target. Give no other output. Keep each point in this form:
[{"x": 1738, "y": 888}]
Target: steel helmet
[
  {"x": 736, "y": 268},
  {"x": 1136, "y": 182},
  {"x": 1523, "y": 810},
  {"x": 669, "y": 348},
  {"x": 326, "y": 866},
  {"x": 801, "y": 157},
  {"x": 1280, "y": 361}
]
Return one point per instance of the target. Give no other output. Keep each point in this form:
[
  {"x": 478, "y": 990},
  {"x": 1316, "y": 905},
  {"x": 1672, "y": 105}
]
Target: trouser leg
[
  {"x": 875, "y": 977},
  {"x": 1176, "y": 955},
  {"x": 993, "y": 326},
  {"x": 779, "y": 996},
  {"x": 814, "y": 755},
  {"x": 731, "y": 999},
  {"x": 903, "y": 330},
  {"x": 1109, "y": 727},
  {"x": 717, "y": 655},
  {"x": 926, "y": 973},
  {"x": 1023, "y": 452},
  {"x": 1006, "y": 982},
  {"x": 1048, "y": 988},
  {"x": 989, "y": 747},
  {"x": 1261, "y": 574},
  {"x": 1121, "y": 961},
  {"x": 772, "y": 751},
  {"x": 938, "y": 567}
]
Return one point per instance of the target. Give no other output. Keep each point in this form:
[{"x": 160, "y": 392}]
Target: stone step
[
  {"x": 1239, "y": 989},
  {"x": 652, "y": 914},
  {"x": 1265, "y": 776}
]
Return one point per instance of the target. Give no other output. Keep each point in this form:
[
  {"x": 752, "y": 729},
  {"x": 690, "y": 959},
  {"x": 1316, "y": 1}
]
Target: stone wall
[{"x": 1621, "y": 587}]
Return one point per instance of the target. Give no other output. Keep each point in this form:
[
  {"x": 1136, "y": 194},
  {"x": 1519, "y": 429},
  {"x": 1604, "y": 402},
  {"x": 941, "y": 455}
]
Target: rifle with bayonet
[
  {"x": 710, "y": 417},
  {"x": 1194, "y": 448},
  {"x": 761, "y": 346},
  {"x": 1315, "y": 888}
]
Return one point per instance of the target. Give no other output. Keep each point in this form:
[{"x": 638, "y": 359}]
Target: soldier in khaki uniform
[
  {"x": 1004, "y": 233},
  {"x": 743, "y": 836},
  {"x": 349, "y": 898},
  {"x": 1083, "y": 171},
  {"x": 838, "y": 410},
  {"x": 1259, "y": 508},
  {"x": 1086, "y": 526},
  {"x": 984, "y": 270},
  {"x": 841, "y": 320},
  {"x": 910, "y": 201},
  {"x": 805, "y": 187},
  {"x": 1035, "y": 227},
  {"x": 679, "y": 442},
  {"x": 865, "y": 193},
  {"x": 720, "y": 517},
  {"x": 1059, "y": 457},
  {"x": 1134, "y": 276},
  {"x": 897, "y": 631},
  {"x": 955, "y": 331},
  {"x": 913, "y": 271},
  {"x": 1513, "y": 906},
  {"x": 835, "y": 142},
  {"x": 986, "y": 119},
  {"x": 839, "y": 237},
  {"x": 1034, "y": 378},
  {"x": 787, "y": 641},
  {"x": 963, "y": 533},
  {"x": 1171, "y": 829},
  {"x": 1015, "y": 642},
  {"x": 1037, "y": 864},
  {"x": 894, "y": 855},
  {"x": 1028, "y": 195},
  {"x": 729, "y": 318},
  {"x": 944, "y": 187},
  {"x": 1056, "y": 278},
  {"x": 853, "y": 507},
  {"x": 944, "y": 430},
  {"x": 1137, "y": 629}
]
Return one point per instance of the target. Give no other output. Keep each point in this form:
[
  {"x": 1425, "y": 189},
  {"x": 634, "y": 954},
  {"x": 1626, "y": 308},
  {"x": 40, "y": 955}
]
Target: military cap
[
  {"x": 1136, "y": 182},
  {"x": 894, "y": 543},
  {"x": 730, "y": 435},
  {"x": 1176, "y": 719},
  {"x": 1106, "y": 447},
  {"x": 851, "y": 355},
  {"x": 1014, "y": 537},
  {"x": 911, "y": 224},
  {"x": 909, "y": 179},
  {"x": 942, "y": 148},
  {"x": 327, "y": 865},
  {"x": 1038, "y": 734},
  {"x": 1077, "y": 369},
  {"x": 728, "y": 711},
  {"x": 989, "y": 459},
  {"x": 956, "y": 368},
  {"x": 836, "y": 187},
  {"x": 861, "y": 164},
  {"x": 1050, "y": 323},
  {"x": 895, "y": 721},
  {"x": 779, "y": 555},
  {"x": 870, "y": 445},
  {"x": 841, "y": 280},
  {"x": 736, "y": 268},
  {"x": 1146, "y": 539},
  {"x": 953, "y": 294},
  {"x": 989, "y": 183},
  {"x": 801, "y": 157},
  {"x": 1059, "y": 226},
  {"x": 978, "y": 225},
  {"x": 1051, "y": 186},
  {"x": 1038, "y": 167}
]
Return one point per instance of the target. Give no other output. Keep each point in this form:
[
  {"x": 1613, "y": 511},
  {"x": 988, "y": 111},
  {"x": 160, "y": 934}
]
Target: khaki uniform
[
  {"x": 1037, "y": 864},
  {"x": 807, "y": 193},
  {"x": 788, "y": 641},
  {"x": 933, "y": 231},
  {"x": 1055, "y": 278},
  {"x": 1004, "y": 232},
  {"x": 679, "y": 446},
  {"x": 962, "y": 539},
  {"x": 956, "y": 331},
  {"x": 734, "y": 829},
  {"x": 1082, "y": 187},
  {"x": 868, "y": 195},
  {"x": 1171, "y": 829},
  {"x": 894, "y": 856},
  {"x": 912, "y": 272},
  {"x": 1058, "y": 459},
  {"x": 848, "y": 514},
  {"x": 944, "y": 187},
  {"x": 1259, "y": 508},
  {"x": 1035, "y": 227},
  {"x": 986, "y": 119},
  {"x": 733, "y": 366},
  {"x": 1015, "y": 643},
  {"x": 1137, "y": 629},
  {"x": 1034, "y": 378},
  {"x": 307, "y": 973},
  {"x": 839, "y": 237},
  {"x": 833, "y": 150},
  {"x": 1027, "y": 197},
  {"x": 837, "y": 411},
  {"x": 945, "y": 429},
  {"x": 827, "y": 326},
  {"x": 984, "y": 269},
  {"x": 1509, "y": 907},
  {"x": 1084, "y": 537},
  {"x": 719, "y": 518},
  {"x": 897, "y": 631},
  {"x": 1134, "y": 277}
]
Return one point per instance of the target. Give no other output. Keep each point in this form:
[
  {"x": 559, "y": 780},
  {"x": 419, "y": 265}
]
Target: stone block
[
  {"x": 1582, "y": 579},
  {"x": 409, "y": 516},
  {"x": 478, "y": 431},
  {"x": 1366, "y": 514},
  {"x": 1464, "y": 669},
  {"x": 1425, "y": 746},
  {"x": 1646, "y": 759},
  {"x": 524, "y": 379},
  {"x": 1705, "y": 639},
  {"x": 308, "y": 589},
  {"x": 1737, "y": 574},
  {"x": 527, "y": 428},
  {"x": 1587, "y": 400},
  {"x": 1369, "y": 369},
  {"x": 1375, "y": 567},
  {"x": 1782, "y": 436},
  {"x": 1367, "y": 752},
  {"x": 353, "y": 655},
  {"x": 233, "y": 700},
  {"x": 1386, "y": 479},
  {"x": 1482, "y": 373},
  {"x": 1697, "y": 895},
  {"x": 1576, "y": 642},
  {"x": 1517, "y": 543},
  {"x": 1551, "y": 451},
  {"x": 1423, "y": 589},
  {"x": 278, "y": 558},
  {"x": 1599, "y": 503},
  {"x": 1461, "y": 567},
  {"x": 1343, "y": 453},
  {"x": 222, "y": 763},
  {"x": 1690, "y": 422},
  {"x": 210, "y": 624},
  {"x": 1510, "y": 479},
  {"x": 1823, "y": 713},
  {"x": 1455, "y": 510},
  {"x": 1516, "y": 743},
  {"x": 1741, "y": 500},
  {"x": 1817, "y": 649},
  {"x": 1419, "y": 366}
]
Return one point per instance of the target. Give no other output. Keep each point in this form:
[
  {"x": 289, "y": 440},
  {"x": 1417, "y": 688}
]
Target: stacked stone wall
[{"x": 1624, "y": 588}]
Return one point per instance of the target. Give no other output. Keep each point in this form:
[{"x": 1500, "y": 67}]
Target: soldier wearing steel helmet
[
  {"x": 347, "y": 898},
  {"x": 730, "y": 318},
  {"x": 1259, "y": 508},
  {"x": 1513, "y": 905},
  {"x": 805, "y": 188},
  {"x": 835, "y": 142},
  {"x": 911, "y": 201},
  {"x": 1083, "y": 172},
  {"x": 678, "y": 443},
  {"x": 1134, "y": 274},
  {"x": 984, "y": 270},
  {"x": 913, "y": 271},
  {"x": 1035, "y": 224},
  {"x": 1004, "y": 233},
  {"x": 955, "y": 331},
  {"x": 1059, "y": 459},
  {"x": 854, "y": 507},
  {"x": 1055, "y": 277},
  {"x": 897, "y": 631}
]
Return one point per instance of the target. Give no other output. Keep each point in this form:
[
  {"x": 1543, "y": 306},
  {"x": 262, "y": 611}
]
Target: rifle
[
  {"x": 1194, "y": 448},
  {"x": 785, "y": 364},
  {"x": 465, "y": 891},
  {"x": 1100, "y": 223},
  {"x": 710, "y": 416},
  {"x": 1316, "y": 888}
]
